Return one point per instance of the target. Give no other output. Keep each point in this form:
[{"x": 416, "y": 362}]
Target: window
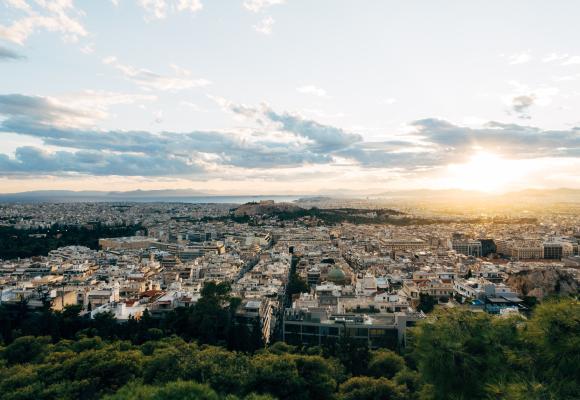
[
  {"x": 362, "y": 332},
  {"x": 313, "y": 330},
  {"x": 293, "y": 328}
]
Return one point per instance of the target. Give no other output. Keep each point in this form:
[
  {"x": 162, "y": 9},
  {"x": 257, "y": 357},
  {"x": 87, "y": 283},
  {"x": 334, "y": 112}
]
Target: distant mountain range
[{"x": 195, "y": 196}]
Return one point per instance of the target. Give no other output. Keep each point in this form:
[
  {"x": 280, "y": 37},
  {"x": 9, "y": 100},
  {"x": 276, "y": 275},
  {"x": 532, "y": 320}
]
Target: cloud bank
[{"x": 276, "y": 140}]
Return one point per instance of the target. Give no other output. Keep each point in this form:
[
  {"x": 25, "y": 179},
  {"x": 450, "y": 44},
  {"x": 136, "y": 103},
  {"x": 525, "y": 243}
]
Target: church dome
[{"x": 336, "y": 275}]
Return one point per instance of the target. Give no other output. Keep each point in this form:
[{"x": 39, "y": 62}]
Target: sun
[{"x": 486, "y": 172}]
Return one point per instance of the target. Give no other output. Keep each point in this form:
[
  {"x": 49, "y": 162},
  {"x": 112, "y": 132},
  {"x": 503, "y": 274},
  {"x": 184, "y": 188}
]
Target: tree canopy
[{"x": 454, "y": 354}]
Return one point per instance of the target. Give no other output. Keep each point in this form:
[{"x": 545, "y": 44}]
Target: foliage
[
  {"x": 455, "y": 354},
  {"x": 426, "y": 303},
  {"x": 385, "y": 363},
  {"x": 211, "y": 320},
  {"x": 352, "y": 353},
  {"x": 178, "y": 390},
  {"x": 23, "y": 243},
  {"x": 365, "y": 388},
  {"x": 296, "y": 284},
  {"x": 465, "y": 355}
]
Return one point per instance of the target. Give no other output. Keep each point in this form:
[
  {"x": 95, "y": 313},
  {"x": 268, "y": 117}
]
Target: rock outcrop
[{"x": 540, "y": 282}]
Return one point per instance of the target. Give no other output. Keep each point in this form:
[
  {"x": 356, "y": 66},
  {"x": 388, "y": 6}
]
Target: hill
[{"x": 265, "y": 207}]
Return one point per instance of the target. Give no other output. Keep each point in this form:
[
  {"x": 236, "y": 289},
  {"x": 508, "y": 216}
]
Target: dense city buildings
[{"x": 365, "y": 280}]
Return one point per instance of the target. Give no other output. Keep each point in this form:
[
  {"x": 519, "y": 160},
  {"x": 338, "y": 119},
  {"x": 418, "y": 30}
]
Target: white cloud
[
  {"x": 264, "y": 26},
  {"x": 523, "y": 97},
  {"x": 520, "y": 58},
  {"x": 90, "y": 106},
  {"x": 149, "y": 80},
  {"x": 102, "y": 100},
  {"x": 259, "y": 5},
  {"x": 311, "y": 89},
  {"x": 389, "y": 101},
  {"x": 53, "y": 16},
  {"x": 19, "y": 4},
  {"x": 189, "y": 5},
  {"x": 72, "y": 110},
  {"x": 155, "y": 8},
  {"x": 159, "y": 9}
]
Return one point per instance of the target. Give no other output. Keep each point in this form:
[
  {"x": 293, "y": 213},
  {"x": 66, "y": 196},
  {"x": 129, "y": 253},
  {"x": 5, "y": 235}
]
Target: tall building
[
  {"x": 557, "y": 250},
  {"x": 487, "y": 247},
  {"x": 467, "y": 247}
]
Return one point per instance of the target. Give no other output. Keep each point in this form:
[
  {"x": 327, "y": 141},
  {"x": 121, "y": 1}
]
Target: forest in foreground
[{"x": 451, "y": 355}]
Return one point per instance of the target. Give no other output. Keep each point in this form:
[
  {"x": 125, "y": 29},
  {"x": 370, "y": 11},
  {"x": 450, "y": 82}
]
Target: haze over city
[{"x": 277, "y": 97}]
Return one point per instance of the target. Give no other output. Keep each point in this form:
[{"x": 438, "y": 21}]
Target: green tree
[
  {"x": 553, "y": 334},
  {"x": 296, "y": 285},
  {"x": 354, "y": 354},
  {"x": 365, "y": 388},
  {"x": 411, "y": 382},
  {"x": 460, "y": 352},
  {"x": 179, "y": 390},
  {"x": 26, "y": 349},
  {"x": 426, "y": 303},
  {"x": 225, "y": 371},
  {"x": 385, "y": 363},
  {"x": 278, "y": 376}
]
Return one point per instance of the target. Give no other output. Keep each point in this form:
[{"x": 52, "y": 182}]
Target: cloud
[
  {"x": 265, "y": 26},
  {"x": 53, "y": 16},
  {"x": 278, "y": 140},
  {"x": 520, "y": 58},
  {"x": 325, "y": 138},
  {"x": 89, "y": 107},
  {"x": 42, "y": 118},
  {"x": 44, "y": 111},
  {"x": 311, "y": 89},
  {"x": 31, "y": 160},
  {"x": 159, "y": 9},
  {"x": 9, "y": 55},
  {"x": 18, "y": 4},
  {"x": 260, "y": 5},
  {"x": 149, "y": 80},
  {"x": 523, "y": 97},
  {"x": 511, "y": 140},
  {"x": 521, "y": 105}
]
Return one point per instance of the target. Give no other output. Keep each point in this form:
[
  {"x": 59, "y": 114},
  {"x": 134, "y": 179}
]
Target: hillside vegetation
[{"x": 455, "y": 355}]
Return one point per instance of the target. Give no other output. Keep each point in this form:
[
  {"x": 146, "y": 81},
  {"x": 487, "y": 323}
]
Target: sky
[{"x": 289, "y": 96}]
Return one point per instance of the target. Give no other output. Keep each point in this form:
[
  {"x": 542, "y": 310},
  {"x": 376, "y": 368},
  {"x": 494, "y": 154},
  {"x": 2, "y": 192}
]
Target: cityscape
[{"x": 282, "y": 199}]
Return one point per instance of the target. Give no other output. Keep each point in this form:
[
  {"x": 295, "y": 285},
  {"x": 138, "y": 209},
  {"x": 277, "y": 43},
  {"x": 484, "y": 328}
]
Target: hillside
[
  {"x": 543, "y": 282},
  {"x": 266, "y": 207}
]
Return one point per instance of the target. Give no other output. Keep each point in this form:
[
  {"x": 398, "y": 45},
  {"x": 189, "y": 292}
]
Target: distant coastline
[{"x": 107, "y": 198}]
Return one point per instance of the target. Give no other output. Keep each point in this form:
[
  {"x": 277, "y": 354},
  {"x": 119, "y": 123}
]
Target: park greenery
[
  {"x": 454, "y": 354},
  {"x": 25, "y": 243}
]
